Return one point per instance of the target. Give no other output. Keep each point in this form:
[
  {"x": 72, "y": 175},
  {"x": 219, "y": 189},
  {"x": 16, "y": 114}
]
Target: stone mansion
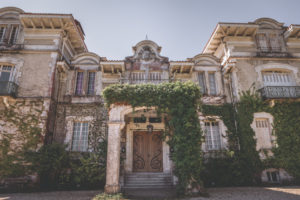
[{"x": 45, "y": 65}]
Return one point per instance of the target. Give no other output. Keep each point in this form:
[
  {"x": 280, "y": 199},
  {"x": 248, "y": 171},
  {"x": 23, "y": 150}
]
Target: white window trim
[
  {"x": 17, "y": 64},
  {"x": 222, "y": 130},
  {"x": 275, "y": 66},
  {"x": 263, "y": 115},
  {"x": 70, "y": 126}
]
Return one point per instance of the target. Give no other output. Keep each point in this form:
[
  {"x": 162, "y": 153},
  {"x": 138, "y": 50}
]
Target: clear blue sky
[{"x": 181, "y": 27}]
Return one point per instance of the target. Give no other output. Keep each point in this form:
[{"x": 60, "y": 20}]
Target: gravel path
[
  {"x": 253, "y": 193},
  {"x": 235, "y": 193}
]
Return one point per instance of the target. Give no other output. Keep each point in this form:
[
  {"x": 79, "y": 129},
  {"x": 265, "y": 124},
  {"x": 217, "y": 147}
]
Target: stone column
[{"x": 113, "y": 157}]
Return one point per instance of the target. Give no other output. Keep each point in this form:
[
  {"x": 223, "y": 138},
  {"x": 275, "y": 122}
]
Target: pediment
[
  {"x": 206, "y": 60},
  {"x": 86, "y": 58},
  {"x": 268, "y": 23},
  {"x": 10, "y": 13}
]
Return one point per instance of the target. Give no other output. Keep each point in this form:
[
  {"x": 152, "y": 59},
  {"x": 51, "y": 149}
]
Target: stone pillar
[{"x": 113, "y": 157}]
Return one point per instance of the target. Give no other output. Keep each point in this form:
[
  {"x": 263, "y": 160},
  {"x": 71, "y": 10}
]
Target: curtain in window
[
  {"x": 212, "y": 84},
  {"x": 80, "y": 136},
  {"x": 201, "y": 80},
  {"x": 91, "y": 83},
  {"x": 79, "y": 83},
  {"x": 212, "y": 136}
]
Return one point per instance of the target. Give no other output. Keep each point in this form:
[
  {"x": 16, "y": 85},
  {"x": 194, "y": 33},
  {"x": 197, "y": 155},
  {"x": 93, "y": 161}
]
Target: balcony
[
  {"x": 280, "y": 92},
  {"x": 271, "y": 52},
  {"x": 143, "y": 81},
  {"x": 8, "y": 88}
]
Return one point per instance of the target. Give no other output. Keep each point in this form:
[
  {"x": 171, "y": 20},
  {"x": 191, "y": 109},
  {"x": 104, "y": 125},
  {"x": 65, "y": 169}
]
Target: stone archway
[{"x": 115, "y": 124}]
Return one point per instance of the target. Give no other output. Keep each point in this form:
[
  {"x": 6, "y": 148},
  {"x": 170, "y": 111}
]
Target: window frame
[
  {"x": 214, "y": 147},
  {"x": 81, "y": 139},
  {"x": 82, "y": 83},
  {"x": 11, "y": 72},
  {"x": 215, "y": 83},
  {"x": 4, "y": 26},
  {"x": 88, "y": 83},
  {"x": 204, "y": 88}
]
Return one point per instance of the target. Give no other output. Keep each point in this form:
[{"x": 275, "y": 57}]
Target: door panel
[
  {"x": 147, "y": 152},
  {"x": 155, "y": 151},
  {"x": 139, "y": 152}
]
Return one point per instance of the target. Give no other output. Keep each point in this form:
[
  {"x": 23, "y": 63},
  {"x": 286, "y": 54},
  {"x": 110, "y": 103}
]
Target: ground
[{"x": 235, "y": 193}]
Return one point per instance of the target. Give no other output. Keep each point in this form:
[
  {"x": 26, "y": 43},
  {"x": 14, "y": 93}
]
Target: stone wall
[{"x": 94, "y": 113}]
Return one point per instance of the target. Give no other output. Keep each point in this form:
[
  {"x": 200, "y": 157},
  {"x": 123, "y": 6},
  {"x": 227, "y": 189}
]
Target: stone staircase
[{"x": 149, "y": 185}]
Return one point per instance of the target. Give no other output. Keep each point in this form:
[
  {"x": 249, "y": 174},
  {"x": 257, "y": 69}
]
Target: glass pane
[
  {"x": 4, "y": 76},
  {"x": 13, "y": 35},
  {"x": 79, "y": 83},
  {"x": 201, "y": 79},
  {"x": 91, "y": 84},
  {"x": 212, "y": 84}
]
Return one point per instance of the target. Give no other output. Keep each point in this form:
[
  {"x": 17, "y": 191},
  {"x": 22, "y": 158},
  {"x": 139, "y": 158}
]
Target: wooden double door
[{"x": 147, "y": 151}]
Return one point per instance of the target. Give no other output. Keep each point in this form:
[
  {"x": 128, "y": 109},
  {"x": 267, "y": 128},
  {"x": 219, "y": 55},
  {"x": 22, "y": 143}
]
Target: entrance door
[{"x": 147, "y": 152}]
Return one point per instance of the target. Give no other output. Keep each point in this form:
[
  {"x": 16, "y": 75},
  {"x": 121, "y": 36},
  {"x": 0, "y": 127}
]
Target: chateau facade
[{"x": 47, "y": 71}]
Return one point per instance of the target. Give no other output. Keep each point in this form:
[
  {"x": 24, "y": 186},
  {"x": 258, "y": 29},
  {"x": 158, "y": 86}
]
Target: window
[
  {"x": 5, "y": 72},
  {"x": 212, "y": 136},
  {"x": 263, "y": 133},
  {"x": 201, "y": 80},
  {"x": 273, "y": 176},
  {"x": 91, "y": 83},
  {"x": 141, "y": 77},
  {"x": 262, "y": 42},
  {"x": 2, "y": 33},
  {"x": 212, "y": 84},
  {"x": 13, "y": 35},
  {"x": 277, "y": 78},
  {"x": 80, "y": 136},
  {"x": 79, "y": 83}
]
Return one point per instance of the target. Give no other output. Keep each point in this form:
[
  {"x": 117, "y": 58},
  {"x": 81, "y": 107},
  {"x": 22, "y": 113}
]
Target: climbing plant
[
  {"x": 181, "y": 102},
  {"x": 242, "y": 164},
  {"x": 24, "y": 118}
]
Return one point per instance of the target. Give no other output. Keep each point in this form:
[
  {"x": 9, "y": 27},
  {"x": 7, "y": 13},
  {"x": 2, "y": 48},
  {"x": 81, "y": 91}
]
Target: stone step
[
  {"x": 150, "y": 193},
  {"x": 144, "y": 175}
]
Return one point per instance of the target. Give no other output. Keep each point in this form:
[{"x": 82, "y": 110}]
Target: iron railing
[
  {"x": 271, "y": 52},
  {"x": 8, "y": 88},
  {"x": 280, "y": 92},
  {"x": 143, "y": 81}
]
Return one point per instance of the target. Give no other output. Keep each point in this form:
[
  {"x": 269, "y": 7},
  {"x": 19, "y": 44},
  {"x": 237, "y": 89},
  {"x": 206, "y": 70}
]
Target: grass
[{"x": 104, "y": 196}]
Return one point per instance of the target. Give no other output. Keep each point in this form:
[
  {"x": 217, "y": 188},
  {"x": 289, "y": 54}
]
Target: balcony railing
[
  {"x": 6, "y": 45},
  {"x": 280, "y": 92},
  {"x": 271, "y": 52},
  {"x": 8, "y": 88},
  {"x": 131, "y": 81}
]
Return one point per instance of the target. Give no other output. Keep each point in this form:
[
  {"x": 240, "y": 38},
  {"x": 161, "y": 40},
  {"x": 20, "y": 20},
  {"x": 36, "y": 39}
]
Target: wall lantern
[{"x": 149, "y": 128}]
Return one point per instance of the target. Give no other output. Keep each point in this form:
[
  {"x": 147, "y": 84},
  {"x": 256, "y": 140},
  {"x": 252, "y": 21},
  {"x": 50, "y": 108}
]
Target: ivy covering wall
[
  {"x": 241, "y": 163},
  {"x": 180, "y": 101}
]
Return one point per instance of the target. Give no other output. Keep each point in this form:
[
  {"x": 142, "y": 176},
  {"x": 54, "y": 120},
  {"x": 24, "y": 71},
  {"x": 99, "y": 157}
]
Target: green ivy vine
[{"x": 181, "y": 102}]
